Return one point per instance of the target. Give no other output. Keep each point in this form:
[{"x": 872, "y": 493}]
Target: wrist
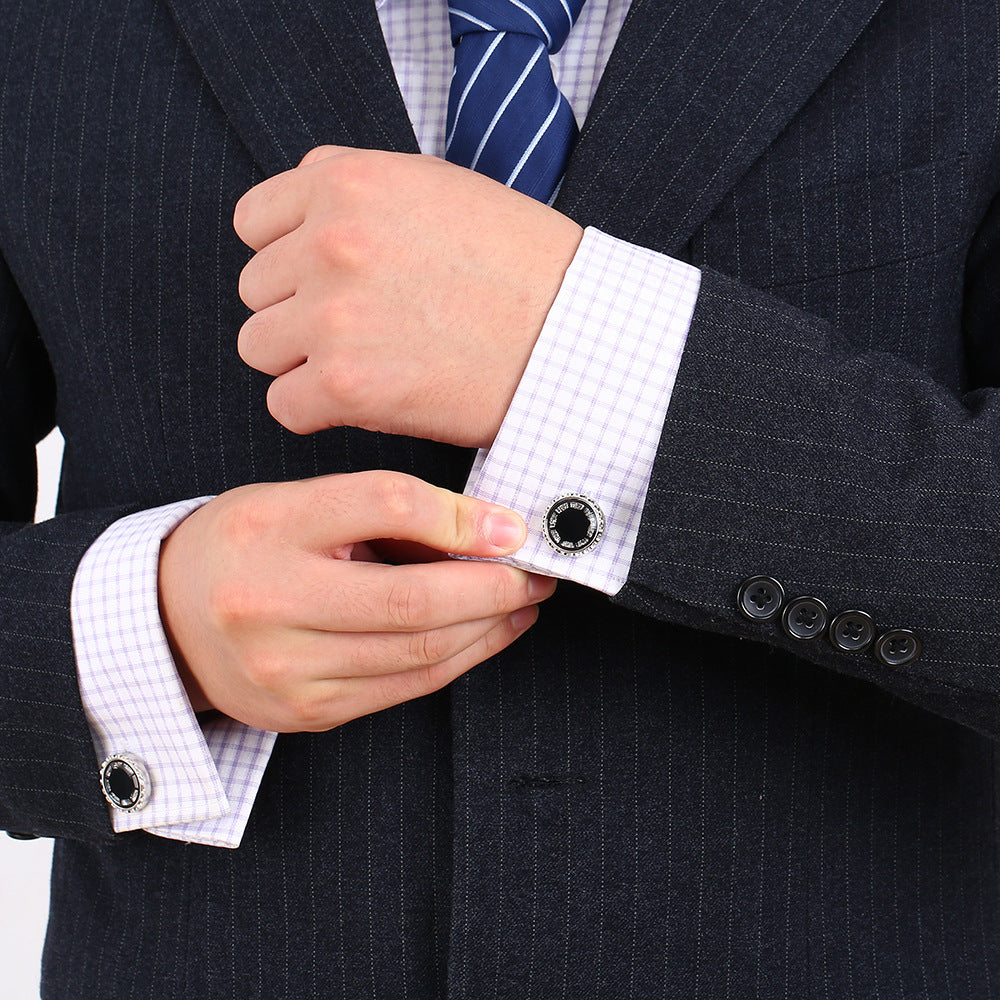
[
  {"x": 550, "y": 259},
  {"x": 172, "y": 618}
]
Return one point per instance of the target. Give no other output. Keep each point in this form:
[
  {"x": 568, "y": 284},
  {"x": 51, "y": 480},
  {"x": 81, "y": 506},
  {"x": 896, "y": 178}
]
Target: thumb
[{"x": 392, "y": 505}]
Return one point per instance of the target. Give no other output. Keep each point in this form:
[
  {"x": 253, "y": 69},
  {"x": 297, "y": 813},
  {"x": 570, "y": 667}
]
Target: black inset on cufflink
[
  {"x": 805, "y": 618},
  {"x": 125, "y": 782},
  {"x": 760, "y": 598},
  {"x": 898, "y": 647},
  {"x": 852, "y": 631},
  {"x": 573, "y": 524}
]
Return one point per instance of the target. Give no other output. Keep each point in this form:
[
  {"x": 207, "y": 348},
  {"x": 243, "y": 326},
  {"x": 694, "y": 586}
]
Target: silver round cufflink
[
  {"x": 573, "y": 524},
  {"x": 125, "y": 781}
]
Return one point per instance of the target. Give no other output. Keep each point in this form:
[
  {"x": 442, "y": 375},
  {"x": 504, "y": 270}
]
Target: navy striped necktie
[{"x": 506, "y": 117}]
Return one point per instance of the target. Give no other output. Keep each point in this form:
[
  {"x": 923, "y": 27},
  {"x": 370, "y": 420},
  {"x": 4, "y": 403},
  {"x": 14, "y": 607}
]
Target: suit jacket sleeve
[
  {"x": 48, "y": 779},
  {"x": 848, "y": 476}
]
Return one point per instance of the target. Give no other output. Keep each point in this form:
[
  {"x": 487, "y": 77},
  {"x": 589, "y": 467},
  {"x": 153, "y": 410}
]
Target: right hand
[{"x": 278, "y": 619}]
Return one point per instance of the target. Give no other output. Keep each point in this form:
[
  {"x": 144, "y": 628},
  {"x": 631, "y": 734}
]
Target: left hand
[{"x": 396, "y": 292}]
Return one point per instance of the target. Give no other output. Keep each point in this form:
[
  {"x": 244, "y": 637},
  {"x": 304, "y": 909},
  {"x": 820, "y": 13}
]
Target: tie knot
[{"x": 548, "y": 20}]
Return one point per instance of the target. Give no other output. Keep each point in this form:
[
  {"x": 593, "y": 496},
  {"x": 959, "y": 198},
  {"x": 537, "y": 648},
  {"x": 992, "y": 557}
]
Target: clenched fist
[{"x": 396, "y": 292}]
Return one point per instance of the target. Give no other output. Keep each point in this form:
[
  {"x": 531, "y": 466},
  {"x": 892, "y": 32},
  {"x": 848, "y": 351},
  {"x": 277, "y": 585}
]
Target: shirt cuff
[
  {"x": 202, "y": 781},
  {"x": 586, "y": 418}
]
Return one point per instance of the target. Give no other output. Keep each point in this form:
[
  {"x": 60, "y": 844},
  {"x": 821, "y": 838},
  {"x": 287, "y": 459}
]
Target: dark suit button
[
  {"x": 760, "y": 598},
  {"x": 805, "y": 618},
  {"x": 898, "y": 647},
  {"x": 852, "y": 631},
  {"x": 14, "y": 835}
]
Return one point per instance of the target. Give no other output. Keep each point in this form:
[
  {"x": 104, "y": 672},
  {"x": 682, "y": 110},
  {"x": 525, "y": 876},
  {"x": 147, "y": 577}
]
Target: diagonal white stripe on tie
[
  {"x": 503, "y": 106},
  {"x": 475, "y": 76},
  {"x": 534, "y": 142}
]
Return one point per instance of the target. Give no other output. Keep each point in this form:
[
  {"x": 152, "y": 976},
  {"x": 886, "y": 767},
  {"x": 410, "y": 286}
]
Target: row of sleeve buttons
[{"x": 762, "y": 598}]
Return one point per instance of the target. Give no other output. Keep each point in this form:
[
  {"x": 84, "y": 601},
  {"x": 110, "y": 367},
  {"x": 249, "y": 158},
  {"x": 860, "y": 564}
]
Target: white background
[{"x": 24, "y": 865}]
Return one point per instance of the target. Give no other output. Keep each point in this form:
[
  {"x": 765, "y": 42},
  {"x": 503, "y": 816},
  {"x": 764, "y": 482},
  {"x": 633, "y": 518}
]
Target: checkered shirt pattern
[
  {"x": 202, "y": 779},
  {"x": 594, "y": 439},
  {"x": 587, "y": 413}
]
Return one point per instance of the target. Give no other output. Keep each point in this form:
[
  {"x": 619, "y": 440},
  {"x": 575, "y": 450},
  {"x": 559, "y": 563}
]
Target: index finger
[
  {"x": 272, "y": 209},
  {"x": 277, "y": 206},
  {"x": 345, "y": 596}
]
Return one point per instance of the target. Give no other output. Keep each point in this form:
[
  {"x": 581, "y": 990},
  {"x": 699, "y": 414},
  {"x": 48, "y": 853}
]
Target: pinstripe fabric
[
  {"x": 121, "y": 640},
  {"x": 138, "y": 173},
  {"x": 631, "y": 802}
]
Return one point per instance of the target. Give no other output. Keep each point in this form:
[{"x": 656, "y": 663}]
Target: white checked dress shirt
[{"x": 586, "y": 419}]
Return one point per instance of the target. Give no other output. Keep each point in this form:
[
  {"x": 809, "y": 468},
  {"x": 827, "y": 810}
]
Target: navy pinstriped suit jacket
[{"x": 646, "y": 797}]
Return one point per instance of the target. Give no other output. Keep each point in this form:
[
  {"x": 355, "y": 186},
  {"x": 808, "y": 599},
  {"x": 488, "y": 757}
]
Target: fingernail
[
  {"x": 540, "y": 587},
  {"x": 524, "y": 618},
  {"x": 504, "y": 530}
]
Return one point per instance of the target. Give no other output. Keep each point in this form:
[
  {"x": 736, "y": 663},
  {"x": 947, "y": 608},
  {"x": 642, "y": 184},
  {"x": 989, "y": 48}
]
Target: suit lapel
[
  {"x": 694, "y": 92},
  {"x": 293, "y": 74}
]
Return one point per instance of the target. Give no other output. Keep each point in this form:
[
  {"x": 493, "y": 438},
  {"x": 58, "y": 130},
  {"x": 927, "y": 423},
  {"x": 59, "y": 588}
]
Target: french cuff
[
  {"x": 575, "y": 451},
  {"x": 199, "y": 785}
]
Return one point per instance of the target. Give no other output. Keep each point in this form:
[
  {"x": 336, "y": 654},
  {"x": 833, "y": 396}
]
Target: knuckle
[
  {"x": 432, "y": 678},
  {"x": 343, "y": 383},
  {"x": 495, "y": 640},
  {"x": 316, "y": 154},
  {"x": 286, "y": 407},
  {"x": 340, "y": 315},
  {"x": 395, "y": 499},
  {"x": 273, "y": 188},
  {"x": 428, "y": 647},
  {"x": 405, "y": 686},
  {"x": 230, "y": 604},
  {"x": 306, "y": 712},
  {"x": 344, "y": 242},
  {"x": 268, "y": 671},
  {"x": 327, "y": 315},
  {"x": 366, "y": 653},
  {"x": 326, "y": 239},
  {"x": 242, "y": 524},
  {"x": 406, "y": 606},
  {"x": 330, "y": 379},
  {"x": 352, "y": 169},
  {"x": 253, "y": 338},
  {"x": 505, "y": 595}
]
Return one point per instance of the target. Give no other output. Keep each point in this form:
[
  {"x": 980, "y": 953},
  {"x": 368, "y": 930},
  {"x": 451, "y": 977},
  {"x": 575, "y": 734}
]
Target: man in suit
[{"x": 628, "y": 800}]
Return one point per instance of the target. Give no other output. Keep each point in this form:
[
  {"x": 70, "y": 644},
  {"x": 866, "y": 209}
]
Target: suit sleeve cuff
[
  {"x": 587, "y": 415},
  {"x": 202, "y": 782}
]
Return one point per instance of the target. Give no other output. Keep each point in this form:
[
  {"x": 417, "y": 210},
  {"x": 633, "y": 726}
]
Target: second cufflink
[{"x": 125, "y": 782}]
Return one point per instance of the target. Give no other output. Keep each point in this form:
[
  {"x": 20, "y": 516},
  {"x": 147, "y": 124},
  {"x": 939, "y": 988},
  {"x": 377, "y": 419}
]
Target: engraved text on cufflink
[
  {"x": 573, "y": 524},
  {"x": 125, "y": 781}
]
